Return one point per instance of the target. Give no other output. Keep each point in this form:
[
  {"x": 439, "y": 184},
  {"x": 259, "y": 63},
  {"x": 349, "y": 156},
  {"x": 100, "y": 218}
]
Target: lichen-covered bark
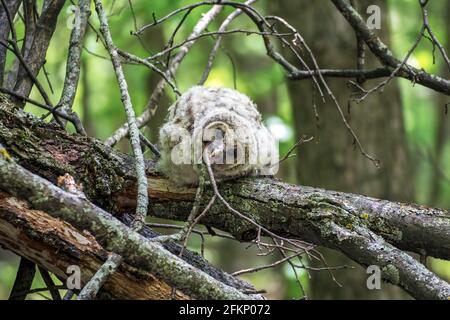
[
  {"x": 113, "y": 235},
  {"x": 108, "y": 180},
  {"x": 310, "y": 214},
  {"x": 56, "y": 245}
]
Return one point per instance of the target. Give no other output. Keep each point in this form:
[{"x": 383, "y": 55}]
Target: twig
[
  {"x": 97, "y": 281},
  {"x": 434, "y": 39},
  {"x": 52, "y": 288},
  {"x": 133, "y": 58},
  {"x": 216, "y": 46},
  {"x": 300, "y": 43},
  {"x": 196, "y": 231},
  {"x": 151, "y": 106},
  {"x": 288, "y": 154},
  {"x": 75, "y": 120},
  {"x": 150, "y": 145},
  {"x": 242, "y": 216},
  {"x": 360, "y": 51},
  {"x": 384, "y": 55},
  {"x": 267, "y": 266},
  {"x": 37, "y": 290}
]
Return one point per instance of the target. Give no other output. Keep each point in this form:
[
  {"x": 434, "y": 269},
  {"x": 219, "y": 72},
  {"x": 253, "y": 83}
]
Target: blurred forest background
[{"x": 406, "y": 127}]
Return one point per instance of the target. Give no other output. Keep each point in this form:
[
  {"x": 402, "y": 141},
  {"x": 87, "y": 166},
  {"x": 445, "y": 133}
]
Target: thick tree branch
[
  {"x": 310, "y": 214},
  {"x": 73, "y": 65},
  {"x": 108, "y": 179}
]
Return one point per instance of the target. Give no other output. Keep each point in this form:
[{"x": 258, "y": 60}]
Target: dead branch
[{"x": 295, "y": 212}]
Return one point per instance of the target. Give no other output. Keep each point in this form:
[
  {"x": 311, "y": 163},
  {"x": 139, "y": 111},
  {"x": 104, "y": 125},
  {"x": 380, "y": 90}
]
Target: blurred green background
[{"x": 424, "y": 148}]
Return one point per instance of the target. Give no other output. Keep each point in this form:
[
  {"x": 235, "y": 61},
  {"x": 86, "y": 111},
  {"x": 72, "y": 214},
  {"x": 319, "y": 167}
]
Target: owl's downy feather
[{"x": 226, "y": 123}]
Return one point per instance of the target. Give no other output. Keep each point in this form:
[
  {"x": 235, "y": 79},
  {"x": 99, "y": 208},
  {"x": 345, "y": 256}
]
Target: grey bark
[{"x": 313, "y": 215}]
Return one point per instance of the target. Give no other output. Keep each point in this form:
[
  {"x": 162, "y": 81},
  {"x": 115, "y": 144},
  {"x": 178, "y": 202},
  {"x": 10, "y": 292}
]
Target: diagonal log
[
  {"x": 109, "y": 232},
  {"x": 56, "y": 245}
]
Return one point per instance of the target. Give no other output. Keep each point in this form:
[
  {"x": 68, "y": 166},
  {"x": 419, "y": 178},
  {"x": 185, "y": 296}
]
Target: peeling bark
[{"x": 55, "y": 245}]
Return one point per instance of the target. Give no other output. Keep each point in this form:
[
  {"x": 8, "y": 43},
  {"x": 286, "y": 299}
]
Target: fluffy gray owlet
[{"x": 222, "y": 121}]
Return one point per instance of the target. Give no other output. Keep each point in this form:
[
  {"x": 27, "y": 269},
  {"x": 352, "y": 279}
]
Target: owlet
[{"x": 219, "y": 122}]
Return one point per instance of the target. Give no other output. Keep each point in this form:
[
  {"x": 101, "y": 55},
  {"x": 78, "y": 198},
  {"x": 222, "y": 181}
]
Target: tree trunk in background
[
  {"x": 331, "y": 161},
  {"x": 85, "y": 98},
  {"x": 442, "y": 130},
  {"x": 438, "y": 177}
]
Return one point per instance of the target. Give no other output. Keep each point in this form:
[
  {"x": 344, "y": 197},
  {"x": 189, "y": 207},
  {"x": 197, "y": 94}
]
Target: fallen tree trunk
[{"x": 353, "y": 224}]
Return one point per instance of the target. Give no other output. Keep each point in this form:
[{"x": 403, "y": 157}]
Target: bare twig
[
  {"x": 133, "y": 58},
  {"x": 222, "y": 30},
  {"x": 434, "y": 39},
  {"x": 288, "y": 154},
  {"x": 150, "y": 145},
  {"x": 75, "y": 120},
  {"x": 300, "y": 245},
  {"x": 267, "y": 266},
  {"x": 151, "y": 106},
  {"x": 384, "y": 55}
]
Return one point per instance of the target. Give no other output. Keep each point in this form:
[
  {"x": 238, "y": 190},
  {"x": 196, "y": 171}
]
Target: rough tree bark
[{"x": 350, "y": 223}]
